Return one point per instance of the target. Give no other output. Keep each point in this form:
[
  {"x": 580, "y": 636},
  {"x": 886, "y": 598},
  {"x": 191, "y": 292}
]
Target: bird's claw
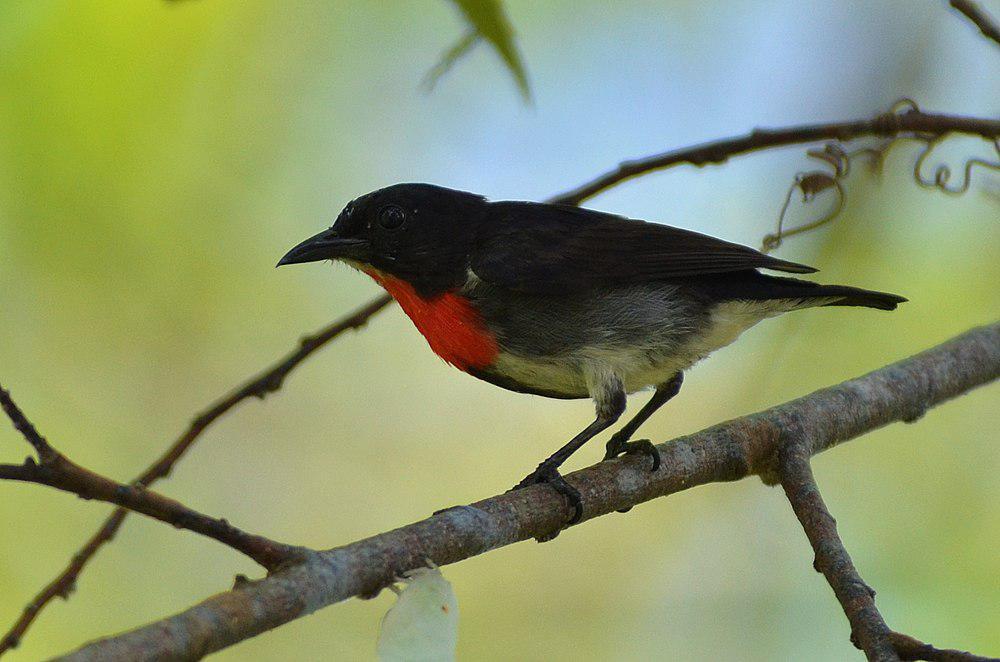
[
  {"x": 553, "y": 478},
  {"x": 617, "y": 447}
]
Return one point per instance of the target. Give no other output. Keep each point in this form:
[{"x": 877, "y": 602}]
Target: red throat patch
[{"x": 451, "y": 325}]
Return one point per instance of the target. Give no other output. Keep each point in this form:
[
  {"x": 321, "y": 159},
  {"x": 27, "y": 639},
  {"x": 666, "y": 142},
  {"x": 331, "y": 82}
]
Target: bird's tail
[
  {"x": 793, "y": 292},
  {"x": 838, "y": 295},
  {"x": 855, "y": 296}
]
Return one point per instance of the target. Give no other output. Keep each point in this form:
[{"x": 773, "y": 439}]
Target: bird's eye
[{"x": 391, "y": 217}]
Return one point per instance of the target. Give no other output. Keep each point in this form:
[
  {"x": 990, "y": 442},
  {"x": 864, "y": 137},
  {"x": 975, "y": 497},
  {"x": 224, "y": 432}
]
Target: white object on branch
[{"x": 423, "y": 624}]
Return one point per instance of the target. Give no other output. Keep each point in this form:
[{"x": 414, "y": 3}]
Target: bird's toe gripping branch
[
  {"x": 617, "y": 447},
  {"x": 546, "y": 473}
]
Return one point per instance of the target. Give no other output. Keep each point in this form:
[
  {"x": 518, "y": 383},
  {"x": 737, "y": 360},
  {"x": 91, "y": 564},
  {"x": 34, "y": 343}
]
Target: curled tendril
[
  {"x": 942, "y": 174},
  {"x": 838, "y": 159},
  {"x": 904, "y": 104},
  {"x": 811, "y": 184}
]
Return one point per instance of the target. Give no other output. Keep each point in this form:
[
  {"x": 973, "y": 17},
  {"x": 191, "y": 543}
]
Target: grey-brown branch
[
  {"x": 910, "y": 123},
  {"x": 868, "y": 629},
  {"x": 268, "y": 381},
  {"x": 751, "y": 445},
  {"x": 986, "y": 24},
  {"x": 56, "y": 470}
]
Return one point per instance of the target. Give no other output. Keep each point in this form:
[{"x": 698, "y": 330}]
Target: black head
[{"x": 418, "y": 232}]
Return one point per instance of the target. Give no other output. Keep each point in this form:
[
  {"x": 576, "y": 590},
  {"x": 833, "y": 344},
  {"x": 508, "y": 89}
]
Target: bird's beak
[{"x": 326, "y": 245}]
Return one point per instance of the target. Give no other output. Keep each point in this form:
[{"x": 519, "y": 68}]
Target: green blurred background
[{"x": 157, "y": 158}]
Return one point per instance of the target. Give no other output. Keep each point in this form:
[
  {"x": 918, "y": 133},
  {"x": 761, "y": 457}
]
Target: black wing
[{"x": 553, "y": 249}]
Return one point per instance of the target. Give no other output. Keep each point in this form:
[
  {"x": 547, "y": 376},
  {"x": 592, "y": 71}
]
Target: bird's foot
[
  {"x": 551, "y": 476},
  {"x": 618, "y": 446}
]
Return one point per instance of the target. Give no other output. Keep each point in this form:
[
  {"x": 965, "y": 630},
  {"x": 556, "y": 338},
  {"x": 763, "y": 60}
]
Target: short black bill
[{"x": 326, "y": 245}]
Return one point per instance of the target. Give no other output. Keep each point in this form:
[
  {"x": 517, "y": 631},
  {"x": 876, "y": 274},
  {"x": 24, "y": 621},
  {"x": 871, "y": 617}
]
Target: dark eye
[{"x": 391, "y": 217}]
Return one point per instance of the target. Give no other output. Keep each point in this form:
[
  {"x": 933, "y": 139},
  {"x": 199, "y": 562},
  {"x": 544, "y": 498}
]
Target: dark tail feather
[
  {"x": 849, "y": 296},
  {"x": 855, "y": 296},
  {"x": 755, "y": 286}
]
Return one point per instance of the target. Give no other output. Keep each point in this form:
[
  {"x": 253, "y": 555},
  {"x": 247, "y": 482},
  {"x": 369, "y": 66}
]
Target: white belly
[{"x": 642, "y": 366}]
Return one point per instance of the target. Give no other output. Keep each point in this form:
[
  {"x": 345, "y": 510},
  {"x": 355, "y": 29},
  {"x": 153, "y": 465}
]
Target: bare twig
[
  {"x": 979, "y": 17},
  {"x": 909, "y": 123},
  {"x": 726, "y": 452},
  {"x": 868, "y": 629},
  {"x": 259, "y": 386},
  {"x": 21, "y": 423},
  {"x": 56, "y": 470},
  {"x": 909, "y": 648}
]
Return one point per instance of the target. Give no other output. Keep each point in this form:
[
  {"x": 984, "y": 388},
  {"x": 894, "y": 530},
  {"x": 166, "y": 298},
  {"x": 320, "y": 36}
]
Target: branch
[
  {"x": 725, "y": 452},
  {"x": 259, "y": 386},
  {"x": 869, "y": 631},
  {"x": 912, "y": 123},
  {"x": 892, "y": 124},
  {"x": 858, "y": 599},
  {"x": 909, "y": 648},
  {"x": 56, "y": 470},
  {"x": 979, "y": 17}
]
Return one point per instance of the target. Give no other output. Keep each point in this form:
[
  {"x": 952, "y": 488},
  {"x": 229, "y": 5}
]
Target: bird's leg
[
  {"x": 610, "y": 405},
  {"x": 619, "y": 442},
  {"x": 548, "y": 470}
]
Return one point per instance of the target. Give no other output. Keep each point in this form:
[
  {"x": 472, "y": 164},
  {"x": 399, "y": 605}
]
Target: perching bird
[{"x": 565, "y": 302}]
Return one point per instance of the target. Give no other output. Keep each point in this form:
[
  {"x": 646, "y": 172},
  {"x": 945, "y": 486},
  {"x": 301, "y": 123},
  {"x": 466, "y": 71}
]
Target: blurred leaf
[
  {"x": 487, "y": 21},
  {"x": 423, "y": 624},
  {"x": 451, "y": 56}
]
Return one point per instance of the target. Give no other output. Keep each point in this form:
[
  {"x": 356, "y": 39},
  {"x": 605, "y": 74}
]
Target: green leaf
[{"x": 487, "y": 20}]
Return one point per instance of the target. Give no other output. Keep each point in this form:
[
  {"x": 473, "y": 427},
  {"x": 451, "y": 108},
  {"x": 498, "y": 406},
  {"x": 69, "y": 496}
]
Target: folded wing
[{"x": 553, "y": 249}]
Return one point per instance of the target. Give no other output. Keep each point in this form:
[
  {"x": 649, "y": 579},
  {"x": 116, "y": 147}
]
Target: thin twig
[
  {"x": 21, "y": 423},
  {"x": 982, "y": 20},
  {"x": 725, "y": 452},
  {"x": 56, "y": 470},
  {"x": 891, "y": 124},
  {"x": 909, "y": 648},
  {"x": 259, "y": 386},
  {"x": 868, "y": 628}
]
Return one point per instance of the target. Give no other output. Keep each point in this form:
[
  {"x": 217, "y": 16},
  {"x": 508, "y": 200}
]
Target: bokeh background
[{"x": 157, "y": 158}]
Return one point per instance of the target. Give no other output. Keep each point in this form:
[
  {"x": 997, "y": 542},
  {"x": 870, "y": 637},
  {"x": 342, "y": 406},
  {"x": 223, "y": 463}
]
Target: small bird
[{"x": 565, "y": 302}]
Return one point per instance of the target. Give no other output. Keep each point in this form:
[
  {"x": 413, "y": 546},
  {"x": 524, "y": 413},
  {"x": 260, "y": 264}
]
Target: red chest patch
[{"x": 452, "y": 327}]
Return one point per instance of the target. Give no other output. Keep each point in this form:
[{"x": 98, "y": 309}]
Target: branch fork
[
  {"x": 788, "y": 434},
  {"x": 56, "y": 470}
]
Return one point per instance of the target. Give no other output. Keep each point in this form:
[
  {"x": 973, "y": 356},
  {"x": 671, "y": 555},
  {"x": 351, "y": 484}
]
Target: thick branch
[
  {"x": 726, "y": 452},
  {"x": 268, "y": 381},
  {"x": 56, "y": 470},
  {"x": 886, "y": 125},
  {"x": 979, "y": 17},
  {"x": 868, "y": 629}
]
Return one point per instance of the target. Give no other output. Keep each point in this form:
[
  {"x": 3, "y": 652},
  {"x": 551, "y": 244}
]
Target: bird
[{"x": 565, "y": 302}]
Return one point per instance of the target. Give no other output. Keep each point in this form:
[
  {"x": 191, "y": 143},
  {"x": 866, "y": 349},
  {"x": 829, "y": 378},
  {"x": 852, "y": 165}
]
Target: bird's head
[{"x": 420, "y": 233}]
